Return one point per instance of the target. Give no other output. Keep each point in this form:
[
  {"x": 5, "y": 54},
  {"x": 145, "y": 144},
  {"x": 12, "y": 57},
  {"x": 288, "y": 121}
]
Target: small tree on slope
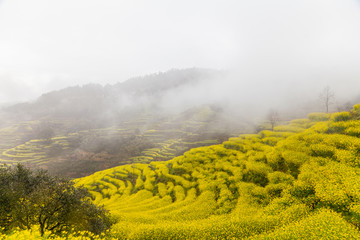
[{"x": 30, "y": 198}]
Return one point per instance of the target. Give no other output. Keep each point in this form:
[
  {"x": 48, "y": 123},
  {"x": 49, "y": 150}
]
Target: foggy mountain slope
[
  {"x": 99, "y": 102},
  {"x": 82, "y": 152},
  {"x": 154, "y": 84},
  {"x": 80, "y": 130},
  {"x": 239, "y": 96}
]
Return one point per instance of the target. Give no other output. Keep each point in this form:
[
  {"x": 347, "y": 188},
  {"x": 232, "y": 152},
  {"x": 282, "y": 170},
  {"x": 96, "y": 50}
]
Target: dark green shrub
[{"x": 29, "y": 198}]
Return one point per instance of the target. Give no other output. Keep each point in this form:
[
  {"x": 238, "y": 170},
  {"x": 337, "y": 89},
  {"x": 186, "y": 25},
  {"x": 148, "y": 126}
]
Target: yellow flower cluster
[{"x": 300, "y": 181}]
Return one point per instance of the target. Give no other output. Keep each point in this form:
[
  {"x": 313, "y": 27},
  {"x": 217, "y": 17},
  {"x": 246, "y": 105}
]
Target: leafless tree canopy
[
  {"x": 327, "y": 97},
  {"x": 273, "y": 118}
]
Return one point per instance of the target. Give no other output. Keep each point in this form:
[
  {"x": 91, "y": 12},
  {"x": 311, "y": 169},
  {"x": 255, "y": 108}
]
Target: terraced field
[
  {"x": 300, "y": 181},
  {"x": 83, "y": 152}
]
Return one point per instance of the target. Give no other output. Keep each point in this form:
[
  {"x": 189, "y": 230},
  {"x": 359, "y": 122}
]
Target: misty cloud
[{"x": 282, "y": 45}]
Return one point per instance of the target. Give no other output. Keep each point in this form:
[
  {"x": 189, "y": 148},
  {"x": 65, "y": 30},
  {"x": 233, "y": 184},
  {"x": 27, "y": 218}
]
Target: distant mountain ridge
[{"x": 94, "y": 101}]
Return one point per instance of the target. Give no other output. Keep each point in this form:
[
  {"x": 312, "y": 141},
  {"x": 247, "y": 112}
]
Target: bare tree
[
  {"x": 273, "y": 118},
  {"x": 327, "y": 97}
]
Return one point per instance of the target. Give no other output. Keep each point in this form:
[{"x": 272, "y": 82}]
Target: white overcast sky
[{"x": 51, "y": 44}]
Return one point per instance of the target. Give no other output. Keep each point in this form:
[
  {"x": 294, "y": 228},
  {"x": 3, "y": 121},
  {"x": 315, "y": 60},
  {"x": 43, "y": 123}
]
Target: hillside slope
[
  {"x": 77, "y": 131},
  {"x": 80, "y": 152},
  {"x": 300, "y": 181}
]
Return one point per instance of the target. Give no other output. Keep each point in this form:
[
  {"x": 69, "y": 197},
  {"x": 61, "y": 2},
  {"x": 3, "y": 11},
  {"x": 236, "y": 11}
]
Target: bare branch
[{"x": 327, "y": 97}]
